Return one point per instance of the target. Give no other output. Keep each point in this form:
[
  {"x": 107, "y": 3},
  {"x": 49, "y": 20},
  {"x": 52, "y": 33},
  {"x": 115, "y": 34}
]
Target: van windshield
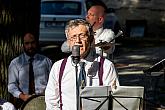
[{"x": 61, "y": 8}]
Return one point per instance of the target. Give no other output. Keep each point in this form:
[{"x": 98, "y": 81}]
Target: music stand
[
  {"x": 96, "y": 98},
  {"x": 155, "y": 73},
  {"x": 156, "y": 68},
  {"x": 102, "y": 98},
  {"x": 128, "y": 98}
]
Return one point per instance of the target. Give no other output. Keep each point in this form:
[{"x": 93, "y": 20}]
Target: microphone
[{"x": 76, "y": 54}]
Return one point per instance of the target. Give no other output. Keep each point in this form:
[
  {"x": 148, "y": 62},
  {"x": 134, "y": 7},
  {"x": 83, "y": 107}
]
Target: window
[
  {"x": 136, "y": 28},
  {"x": 61, "y": 8}
]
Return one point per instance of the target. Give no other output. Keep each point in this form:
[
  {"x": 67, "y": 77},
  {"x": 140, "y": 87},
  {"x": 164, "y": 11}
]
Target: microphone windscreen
[
  {"x": 76, "y": 54},
  {"x": 76, "y": 51}
]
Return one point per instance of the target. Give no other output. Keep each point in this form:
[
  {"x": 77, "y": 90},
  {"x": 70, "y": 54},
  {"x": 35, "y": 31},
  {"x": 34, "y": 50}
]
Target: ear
[{"x": 101, "y": 19}]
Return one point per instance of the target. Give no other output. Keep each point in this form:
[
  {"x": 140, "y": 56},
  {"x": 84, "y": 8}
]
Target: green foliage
[
  {"x": 10, "y": 46},
  {"x": 6, "y": 17}
]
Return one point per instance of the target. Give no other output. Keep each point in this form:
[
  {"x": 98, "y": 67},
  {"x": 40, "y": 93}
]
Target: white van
[{"x": 55, "y": 14}]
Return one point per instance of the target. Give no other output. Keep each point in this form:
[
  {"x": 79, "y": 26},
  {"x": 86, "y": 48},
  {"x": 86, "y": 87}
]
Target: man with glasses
[
  {"x": 61, "y": 90},
  {"x": 96, "y": 16}
]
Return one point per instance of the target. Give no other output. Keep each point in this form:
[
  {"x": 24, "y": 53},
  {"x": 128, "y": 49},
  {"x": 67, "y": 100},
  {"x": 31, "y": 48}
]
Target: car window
[{"x": 61, "y": 8}]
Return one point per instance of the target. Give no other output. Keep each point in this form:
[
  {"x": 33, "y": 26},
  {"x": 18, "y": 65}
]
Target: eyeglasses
[{"x": 81, "y": 36}]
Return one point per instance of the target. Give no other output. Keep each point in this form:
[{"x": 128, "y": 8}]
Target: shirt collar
[
  {"x": 28, "y": 57},
  {"x": 98, "y": 32}
]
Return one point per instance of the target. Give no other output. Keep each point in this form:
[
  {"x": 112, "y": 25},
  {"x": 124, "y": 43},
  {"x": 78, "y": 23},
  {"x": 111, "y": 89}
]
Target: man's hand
[{"x": 24, "y": 97}]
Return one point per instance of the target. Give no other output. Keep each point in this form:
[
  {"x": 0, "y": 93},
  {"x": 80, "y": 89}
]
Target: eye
[{"x": 26, "y": 43}]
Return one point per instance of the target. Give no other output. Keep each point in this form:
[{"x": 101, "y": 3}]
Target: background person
[
  {"x": 5, "y": 105},
  {"x": 96, "y": 16},
  {"x": 19, "y": 71},
  {"x": 78, "y": 33}
]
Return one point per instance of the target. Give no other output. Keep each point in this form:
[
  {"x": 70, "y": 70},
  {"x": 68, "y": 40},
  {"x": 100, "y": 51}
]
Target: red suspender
[
  {"x": 100, "y": 73},
  {"x": 60, "y": 77}
]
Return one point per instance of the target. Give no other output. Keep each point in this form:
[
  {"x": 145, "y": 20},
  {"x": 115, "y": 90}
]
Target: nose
[
  {"x": 30, "y": 45},
  {"x": 87, "y": 16},
  {"x": 78, "y": 40}
]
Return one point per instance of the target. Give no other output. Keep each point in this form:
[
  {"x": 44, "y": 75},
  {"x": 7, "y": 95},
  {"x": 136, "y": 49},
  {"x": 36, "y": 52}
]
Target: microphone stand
[
  {"x": 77, "y": 89},
  {"x": 76, "y": 60}
]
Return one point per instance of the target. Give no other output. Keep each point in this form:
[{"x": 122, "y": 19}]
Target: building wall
[{"x": 153, "y": 11}]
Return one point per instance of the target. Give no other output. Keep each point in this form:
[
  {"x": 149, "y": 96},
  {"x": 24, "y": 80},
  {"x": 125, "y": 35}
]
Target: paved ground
[{"x": 130, "y": 63}]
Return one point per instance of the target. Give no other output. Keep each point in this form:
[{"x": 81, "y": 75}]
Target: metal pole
[{"x": 77, "y": 89}]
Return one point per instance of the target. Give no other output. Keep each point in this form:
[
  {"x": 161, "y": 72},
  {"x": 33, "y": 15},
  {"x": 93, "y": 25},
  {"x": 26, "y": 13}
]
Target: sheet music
[
  {"x": 130, "y": 97},
  {"x": 100, "y": 94}
]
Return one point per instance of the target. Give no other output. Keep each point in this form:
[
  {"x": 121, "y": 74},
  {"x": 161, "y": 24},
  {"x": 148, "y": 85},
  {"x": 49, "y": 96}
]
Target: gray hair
[{"x": 76, "y": 22}]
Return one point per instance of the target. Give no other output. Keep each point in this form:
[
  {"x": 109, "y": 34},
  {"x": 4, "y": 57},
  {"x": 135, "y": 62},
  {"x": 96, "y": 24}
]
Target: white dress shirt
[
  {"x": 104, "y": 35},
  {"x": 7, "y": 106},
  {"x": 68, "y": 83},
  {"x": 19, "y": 74}
]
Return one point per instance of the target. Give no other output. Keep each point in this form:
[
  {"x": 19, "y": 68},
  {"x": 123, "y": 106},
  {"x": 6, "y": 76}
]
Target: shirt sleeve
[
  {"x": 49, "y": 64},
  {"x": 12, "y": 80},
  {"x": 65, "y": 48},
  {"x": 107, "y": 36},
  {"x": 110, "y": 76},
  {"x": 52, "y": 89}
]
